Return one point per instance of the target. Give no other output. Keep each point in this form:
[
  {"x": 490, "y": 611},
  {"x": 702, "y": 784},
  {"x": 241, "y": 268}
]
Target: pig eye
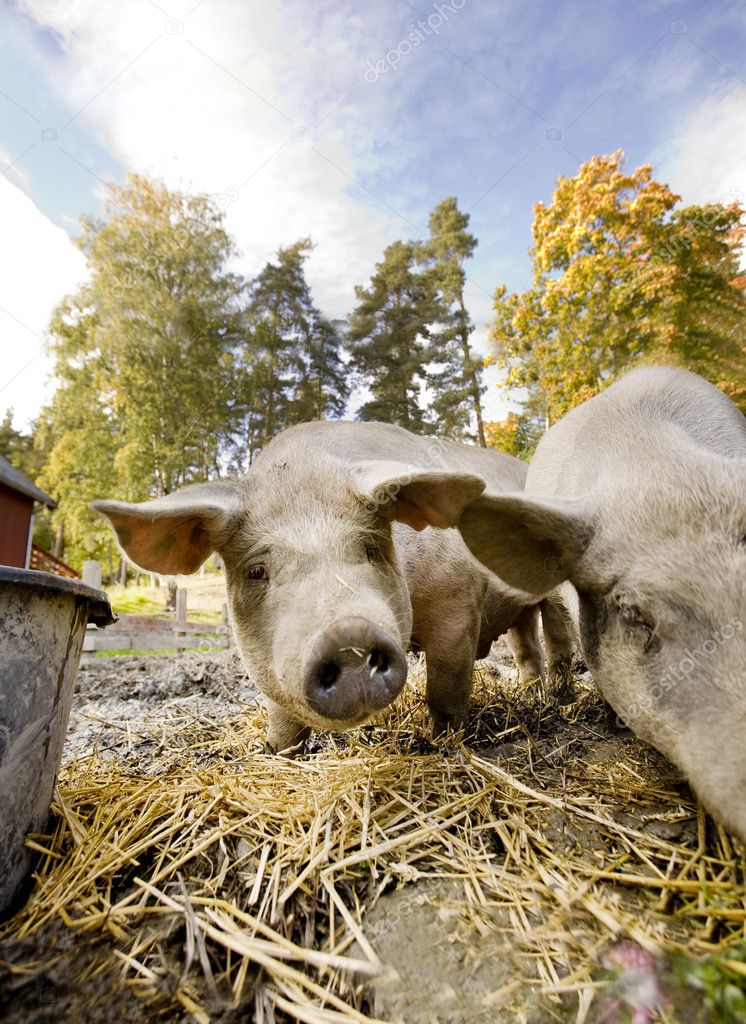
[
  {"x": 257, "y": 572},
  {"x": 372, "y": 552},
  {"x": 636, "y": 621}
]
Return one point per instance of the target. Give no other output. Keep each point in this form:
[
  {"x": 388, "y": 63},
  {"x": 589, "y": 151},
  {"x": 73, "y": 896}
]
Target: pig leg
[
  {"x": 559, "y": 640},
  {"x": 450, "y": 653},
  {"x": 283, "y": 731},
  {"x": 448, "y": 688},
  {"x": 523, "y": 640}
]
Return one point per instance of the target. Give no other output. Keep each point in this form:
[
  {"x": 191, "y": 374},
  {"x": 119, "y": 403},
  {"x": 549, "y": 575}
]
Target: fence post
[
  {"x": 92, "y": 573},
  {"x": 181, "y": 606},
  {"x": 227, "y": 625}
]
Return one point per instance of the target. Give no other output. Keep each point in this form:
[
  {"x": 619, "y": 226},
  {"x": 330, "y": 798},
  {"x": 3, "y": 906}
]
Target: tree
[
  {"x": 144, "y": 357},
  {"x": 291, "y": 363},
  {"x": 18, "y": 448},
  {"x": 457, "y": 387},
  {"x": 622, "y": 274},
  {"x": 78, "y": 436},
  {"x": 390, "y": 338},
  {"x": 518, "y": 434},
  {"x": 166, "y": 320},
  {"x": 323, "y": 389}
]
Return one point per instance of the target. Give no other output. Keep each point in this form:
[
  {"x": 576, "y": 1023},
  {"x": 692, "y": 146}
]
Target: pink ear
[
  {"x": 173, "y": 546},
  {"x": 419, "y": 498},
  {"x": 410, "y": 515},
  {"x": 173, "y": 535},
  {"x": 532, "y": 543}
]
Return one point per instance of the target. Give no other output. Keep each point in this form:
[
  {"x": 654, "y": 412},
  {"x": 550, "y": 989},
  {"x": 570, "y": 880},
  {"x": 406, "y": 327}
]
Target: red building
[{"x": 18, "y": 496}]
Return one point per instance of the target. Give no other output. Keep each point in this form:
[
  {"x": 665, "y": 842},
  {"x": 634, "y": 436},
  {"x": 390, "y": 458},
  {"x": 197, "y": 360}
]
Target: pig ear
[
  {"x": 175, "y": 534},
  {"x": 415, "y": 497},
  {"x": 531, "y": 543}
]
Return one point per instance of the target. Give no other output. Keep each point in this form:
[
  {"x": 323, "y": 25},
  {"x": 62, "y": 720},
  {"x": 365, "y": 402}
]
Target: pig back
[
  {"x": 352, "y": 444},
  {"x": 652, "y": 415}
]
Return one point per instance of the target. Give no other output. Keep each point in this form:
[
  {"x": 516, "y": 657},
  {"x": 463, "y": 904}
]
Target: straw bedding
[{"x": 539, "y": 867}]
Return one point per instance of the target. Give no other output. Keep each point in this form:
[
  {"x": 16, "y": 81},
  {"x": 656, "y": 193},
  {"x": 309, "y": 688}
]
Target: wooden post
[
  {"x": 92, "y": 573},
  {"x": 181, "y": 606},
  {"x": 228, "y": 635}
]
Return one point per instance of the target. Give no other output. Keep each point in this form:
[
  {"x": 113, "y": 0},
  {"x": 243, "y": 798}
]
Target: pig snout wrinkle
[{"x": 354, "y": 669}]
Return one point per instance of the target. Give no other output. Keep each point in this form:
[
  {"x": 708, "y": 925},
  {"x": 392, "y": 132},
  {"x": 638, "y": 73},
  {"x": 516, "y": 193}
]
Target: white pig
[
  {"x": 324, "y": 599},
  {"x": 638, "y": 497}
]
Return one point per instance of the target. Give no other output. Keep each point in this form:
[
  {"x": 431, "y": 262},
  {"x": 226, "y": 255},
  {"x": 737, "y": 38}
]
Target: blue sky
[{"x": 345, "y": 121}]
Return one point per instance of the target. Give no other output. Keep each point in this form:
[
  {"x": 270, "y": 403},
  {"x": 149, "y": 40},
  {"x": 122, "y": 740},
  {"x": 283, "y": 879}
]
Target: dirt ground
[{"x": 443, "y": 965}]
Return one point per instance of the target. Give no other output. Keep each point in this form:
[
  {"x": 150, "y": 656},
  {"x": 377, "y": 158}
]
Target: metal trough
[{"x": 43, "y": 621}]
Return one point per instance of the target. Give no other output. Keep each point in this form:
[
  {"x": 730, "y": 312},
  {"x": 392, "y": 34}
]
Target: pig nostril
[
  {"x": 328, "y": 675},
  {"x": 378, "y": 660}
]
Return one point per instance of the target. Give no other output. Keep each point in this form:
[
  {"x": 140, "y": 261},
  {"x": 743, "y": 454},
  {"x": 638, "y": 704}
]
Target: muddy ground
[{"x": 441, "y": 970}]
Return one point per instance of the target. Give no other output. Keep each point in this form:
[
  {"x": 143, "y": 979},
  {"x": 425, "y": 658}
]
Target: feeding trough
[{"x": 43, "y": 620}]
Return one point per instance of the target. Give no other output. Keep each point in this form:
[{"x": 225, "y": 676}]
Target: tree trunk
[
  {"x": 123, "y": 571},
  {"x": 170, "y": 594},
  {"x": 59, "y": 540},
  {"x": 471, "y": 375}
]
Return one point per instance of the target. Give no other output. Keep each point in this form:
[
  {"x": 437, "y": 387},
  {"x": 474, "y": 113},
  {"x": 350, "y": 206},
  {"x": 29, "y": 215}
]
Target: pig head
[
  {"x": 319, "y": 603},
  {"x": 638, "y": 497}
]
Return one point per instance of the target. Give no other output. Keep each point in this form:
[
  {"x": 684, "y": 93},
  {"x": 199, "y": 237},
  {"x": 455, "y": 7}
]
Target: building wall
[{"x": 15, "y": 519}]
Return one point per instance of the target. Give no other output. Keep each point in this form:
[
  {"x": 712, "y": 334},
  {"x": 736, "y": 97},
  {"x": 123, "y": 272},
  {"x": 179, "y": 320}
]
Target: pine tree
[
  {"x": 323, "y": 389},
  {"x": 390, "y": 339},
  {"x": 18, "y": 448},
  {"x": 456, "y": 382},
  {"x": 292, "y": 365}
]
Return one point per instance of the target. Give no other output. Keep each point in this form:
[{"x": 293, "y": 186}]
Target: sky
[{"x": 347, "y": 122}]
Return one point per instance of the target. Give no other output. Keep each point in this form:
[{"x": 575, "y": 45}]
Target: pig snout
[{"x": 354, "y": 668}]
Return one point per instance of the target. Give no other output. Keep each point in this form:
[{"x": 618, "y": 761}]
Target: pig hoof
[
  {"x": 440, "y": 724},
  {"x": 562, "y": 685},
  {"x": 288, "y": 752},
  {"x": 287, "y": 745},
  {"x": 565, "y": 693}
]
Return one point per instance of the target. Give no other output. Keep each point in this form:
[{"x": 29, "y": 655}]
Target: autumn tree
[
  {"x": 390, "y": 339},
  {"x": 623, "y": 273},
  {"x": 518, "y": 434},
  {"x": 456, "y": 379}
]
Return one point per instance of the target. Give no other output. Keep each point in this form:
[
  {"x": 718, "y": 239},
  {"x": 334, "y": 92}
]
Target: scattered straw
[{"x": 223, "y": 875}]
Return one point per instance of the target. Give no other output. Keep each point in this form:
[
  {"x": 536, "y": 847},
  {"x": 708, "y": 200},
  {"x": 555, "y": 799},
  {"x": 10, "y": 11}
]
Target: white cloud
[
  {"x": 705, "y": 161},
  {"x": 38, "y": 265},
  {"x": 228, "y": 100}
]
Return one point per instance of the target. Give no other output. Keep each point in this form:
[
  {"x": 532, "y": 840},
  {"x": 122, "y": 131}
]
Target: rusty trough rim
[{"x": 99, "y": 610}]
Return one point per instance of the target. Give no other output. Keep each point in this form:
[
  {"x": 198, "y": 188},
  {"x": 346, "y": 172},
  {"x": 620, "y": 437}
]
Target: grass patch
[
  {"x": 141, "y": 652},
  {"x": 134, "y": 603}
]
